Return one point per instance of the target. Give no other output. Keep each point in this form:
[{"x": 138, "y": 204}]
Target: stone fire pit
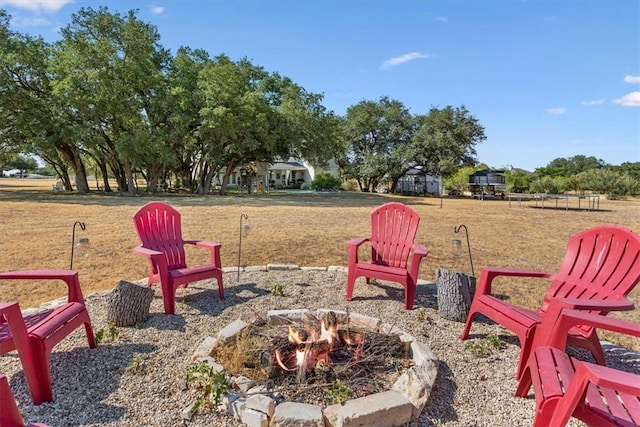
[{"x": 255, "y": 405}]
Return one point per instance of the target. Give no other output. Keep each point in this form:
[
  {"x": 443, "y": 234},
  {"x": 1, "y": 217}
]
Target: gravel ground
[{"x": 137, "y": 378}]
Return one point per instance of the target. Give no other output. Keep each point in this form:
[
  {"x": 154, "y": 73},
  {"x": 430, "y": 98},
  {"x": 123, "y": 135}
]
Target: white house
[{"x": 279, "y": 174}]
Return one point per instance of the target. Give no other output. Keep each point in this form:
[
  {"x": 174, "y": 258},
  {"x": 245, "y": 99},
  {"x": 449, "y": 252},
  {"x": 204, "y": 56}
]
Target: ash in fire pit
[{"x": 303, "y": 358}]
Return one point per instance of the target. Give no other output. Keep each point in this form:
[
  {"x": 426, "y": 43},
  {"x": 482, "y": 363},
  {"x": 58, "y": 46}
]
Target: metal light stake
[
  {"x": 83, "y": 243},
  {"x": 246, "y": 227},
  {"x": 457, "y": 246}
]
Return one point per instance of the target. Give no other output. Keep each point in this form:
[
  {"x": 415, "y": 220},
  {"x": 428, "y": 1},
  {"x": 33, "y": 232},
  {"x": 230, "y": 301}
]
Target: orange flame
[
  {"x": 294, "y": 336},
  {"x": 327, "y": 334},
  {"x": 308, "y": 337},
  {"x": 300, "y": 356},
  {"x": 281, "y": 363}
]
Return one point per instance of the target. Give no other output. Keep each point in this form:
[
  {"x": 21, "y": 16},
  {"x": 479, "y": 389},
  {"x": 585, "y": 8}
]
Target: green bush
[
  {"x": 350, "y": 185},
  {"x": 325, "y": 182}
]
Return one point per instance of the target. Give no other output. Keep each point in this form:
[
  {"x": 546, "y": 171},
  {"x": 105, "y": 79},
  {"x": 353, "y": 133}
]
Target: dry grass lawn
[{"x": 305, "y": 229}]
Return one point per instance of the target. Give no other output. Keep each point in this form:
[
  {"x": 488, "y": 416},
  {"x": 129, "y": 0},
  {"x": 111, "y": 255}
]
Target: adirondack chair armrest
[
  {"x": 11, "y": 312},
  {"x": 603, "y": 306},
  {"x": 157, "y": 258},
  {"x": 357, "y": 241},
  {"x": 352, "y": 248},
  {"x": 69, "y": 277},
  {"x": 487, "y": 274},
  {"x": 558, "y": 326},
  {"x": 419, "y": 252},
  {"x": 604, "y": 376},
  {"x": 214, "y": 248}
]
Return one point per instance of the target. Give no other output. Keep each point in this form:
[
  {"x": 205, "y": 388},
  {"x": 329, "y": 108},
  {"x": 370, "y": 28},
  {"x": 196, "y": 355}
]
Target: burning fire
[
  {"x": 327, "y": 334},
  {"x": 315, "y": 345}
]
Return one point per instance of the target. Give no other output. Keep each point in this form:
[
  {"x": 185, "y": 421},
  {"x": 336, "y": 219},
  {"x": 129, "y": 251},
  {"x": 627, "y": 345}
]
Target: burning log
[
  {"x": 303, "y": 359},
  {"x": 314, "y": 349}
]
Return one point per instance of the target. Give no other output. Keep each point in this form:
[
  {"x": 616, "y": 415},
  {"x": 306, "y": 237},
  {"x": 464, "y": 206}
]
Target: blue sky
[{"x": 546, "y": 79}]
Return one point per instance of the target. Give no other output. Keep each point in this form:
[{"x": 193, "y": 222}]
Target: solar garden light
[
  {"x": 82, "y": 246},
  {"x": 244, "y": 229},
  {"x": 456, "y": 245}
]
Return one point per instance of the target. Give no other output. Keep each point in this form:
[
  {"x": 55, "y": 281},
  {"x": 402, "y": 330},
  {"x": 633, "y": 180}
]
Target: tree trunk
[
  {"x": 455, "y": 292},
  {"x": 71, "y": 154},
  {"x": 128, "y": 171},
  {"x": 105, "y": 176},
  {"x": 128, "y": 304},
  {"x": 82, "y": 185}
]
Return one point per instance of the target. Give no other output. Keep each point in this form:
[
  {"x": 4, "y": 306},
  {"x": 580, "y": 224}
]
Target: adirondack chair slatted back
[
  {"x": 600, "y": 263},
  {"x": 159, "y": 228},
  {"x": 393, "y": 230}
]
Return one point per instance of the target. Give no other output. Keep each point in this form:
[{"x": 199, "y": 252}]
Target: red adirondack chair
[
  {"x": 565, "y": 387},
  {"x": 35, "y": 335},
  {"x": 160, "y": 231},
  {"x": 9, "y": 414},
  {"x": 599, "y": 264},
  {"x": 393, "y": 230}
]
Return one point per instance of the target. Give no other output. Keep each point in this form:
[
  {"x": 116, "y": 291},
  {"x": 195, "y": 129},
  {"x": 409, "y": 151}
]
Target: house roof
[{"x": 290, "y": 166}]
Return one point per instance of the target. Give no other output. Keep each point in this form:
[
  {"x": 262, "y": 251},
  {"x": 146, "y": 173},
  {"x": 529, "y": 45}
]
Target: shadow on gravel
[
  {"x": 440, "y": 407},
  {"x": 425, "y": 294},
  {"x": 207, "y": 302},
  {"x": 77, "y": 372}
]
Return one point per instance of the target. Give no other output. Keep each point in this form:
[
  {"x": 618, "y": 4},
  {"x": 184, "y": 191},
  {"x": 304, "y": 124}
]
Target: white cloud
[
  {"x": 557, "y": 111},
  {"x": 629, "y": 100},
  {"x": 442, "y": 19},
  {"x": 48, "y": 6},
  {"x": 21, "y": 21},
  {"x": 594, "y": 102},
  {"x": 157, "y": 10},
  {"x": 632, "y": 79},
  {"x": 403, "y": 58}
]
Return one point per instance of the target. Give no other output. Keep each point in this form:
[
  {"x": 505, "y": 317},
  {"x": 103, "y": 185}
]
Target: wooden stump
[
  {"x": 128, "y": 304},
  {"x": 455, "y": 292}
]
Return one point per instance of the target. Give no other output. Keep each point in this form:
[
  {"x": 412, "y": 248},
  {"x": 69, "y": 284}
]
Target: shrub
[
  {"x": 325, "y": 182},
  {"x": 350, "y": 185}
]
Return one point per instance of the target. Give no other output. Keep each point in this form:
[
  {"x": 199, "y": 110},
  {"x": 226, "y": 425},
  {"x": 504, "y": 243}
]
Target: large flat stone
[
  {"x": 416, "y": 383},
  {"x": 294, "y": 414},
  {"x": 253, "y": 418},
  {"x": 282, "y": 267},
  {"x": 261, "y": 403},
  {"x": 387, "y": 409},
  {"x": 232, "y": 329},
  {"x": 284, "y": 317},
  {"x": 205, "y": 348}
]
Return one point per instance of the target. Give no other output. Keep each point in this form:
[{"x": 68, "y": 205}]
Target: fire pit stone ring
[{"x": 400, "y": 404}]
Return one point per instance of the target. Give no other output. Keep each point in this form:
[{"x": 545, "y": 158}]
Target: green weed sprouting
[
  {"x": 494, "y": 341},
  {"x": 211, "y": 385},
  {"x": 339, "y": 392},
  {"x": 486, "y": 347},
  {"x": 137, "y": 367},
  {"x": 112, "y": 334},
  {"x": 277, "y": 290}
]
